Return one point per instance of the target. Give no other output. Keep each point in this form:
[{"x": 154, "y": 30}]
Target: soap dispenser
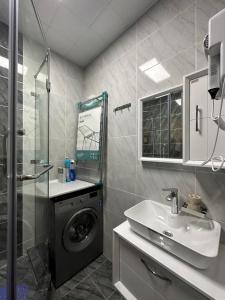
[
  {"x": 67, "y": 167},
  {"x": 72, "y": 171}
]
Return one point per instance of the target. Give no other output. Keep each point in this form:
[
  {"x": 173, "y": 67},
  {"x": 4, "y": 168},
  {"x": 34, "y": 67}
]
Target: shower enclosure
[{"x": 24, "y": 152}]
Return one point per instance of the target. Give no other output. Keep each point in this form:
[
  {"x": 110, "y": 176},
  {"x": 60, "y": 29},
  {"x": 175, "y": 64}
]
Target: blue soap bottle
[
  {"x": 67, "y": 166},
  {"x": 72, "y": 171}
]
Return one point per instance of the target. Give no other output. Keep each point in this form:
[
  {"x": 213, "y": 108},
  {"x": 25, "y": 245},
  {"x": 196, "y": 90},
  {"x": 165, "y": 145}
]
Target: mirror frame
[{"x": 140, "y": 127}]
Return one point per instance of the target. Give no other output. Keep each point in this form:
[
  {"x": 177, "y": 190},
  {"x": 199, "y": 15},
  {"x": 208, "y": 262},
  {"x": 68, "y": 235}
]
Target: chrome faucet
[{"x": 173, "y": 196}]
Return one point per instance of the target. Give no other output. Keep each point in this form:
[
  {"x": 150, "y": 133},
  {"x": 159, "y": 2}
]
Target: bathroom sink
[{"x": 193, "y": 239}]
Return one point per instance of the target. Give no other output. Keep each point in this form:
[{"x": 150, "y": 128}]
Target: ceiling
[
  {"x": 82, "y": 29},
  {"x": 79, "y": 29}
]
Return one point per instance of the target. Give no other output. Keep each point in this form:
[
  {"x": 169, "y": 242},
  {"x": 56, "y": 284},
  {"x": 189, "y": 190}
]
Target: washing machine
[{"x": 77, "y": 233}]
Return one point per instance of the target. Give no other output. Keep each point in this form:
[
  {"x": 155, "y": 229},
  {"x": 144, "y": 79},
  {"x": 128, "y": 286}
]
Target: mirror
[{"x": 161, "y": 126}]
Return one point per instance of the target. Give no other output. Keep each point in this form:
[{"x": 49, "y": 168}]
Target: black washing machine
[{"x": 77, "y": 232}]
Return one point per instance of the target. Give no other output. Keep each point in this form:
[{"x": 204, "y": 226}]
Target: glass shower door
[
  {"x": 42, "y": 90},
  {"x": 32, "y": 275},
  {"x": 33, "y": 278}
]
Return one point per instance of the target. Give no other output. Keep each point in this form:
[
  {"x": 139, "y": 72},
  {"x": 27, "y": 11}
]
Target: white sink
[{"x": 193, "y": 239}]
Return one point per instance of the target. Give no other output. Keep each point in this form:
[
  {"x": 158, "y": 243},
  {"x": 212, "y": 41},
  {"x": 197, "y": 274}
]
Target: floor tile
[
  {"x": 86, "y": 290},
  {"x": 95, "y": 264},
  {"x": 72, "y": 283},
  {"x": 102, "y": 277},
  {"x": 116, "y": 296}
]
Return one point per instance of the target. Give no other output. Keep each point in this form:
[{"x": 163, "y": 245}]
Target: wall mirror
[{"x": 160, "y": 126}]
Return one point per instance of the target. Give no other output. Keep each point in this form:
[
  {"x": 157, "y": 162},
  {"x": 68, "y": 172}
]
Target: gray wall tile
[
  {"x": 211, "y": 187},
  {"x": 121, "y": 167}
]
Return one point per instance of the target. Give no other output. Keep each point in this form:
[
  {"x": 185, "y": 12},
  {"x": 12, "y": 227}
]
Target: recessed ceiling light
[
  {"x": 154, "y": 70},
  {"x": 158, "y": 73},
  {"x": 149, "y": 64}
]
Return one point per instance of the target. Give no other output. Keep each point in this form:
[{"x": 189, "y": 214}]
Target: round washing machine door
[{"x": 81, "y": 230}]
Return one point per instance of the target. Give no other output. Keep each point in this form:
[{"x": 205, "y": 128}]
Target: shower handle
[
  {"x": 20, "y": 132},
  {"x": 34, "y": 176}
]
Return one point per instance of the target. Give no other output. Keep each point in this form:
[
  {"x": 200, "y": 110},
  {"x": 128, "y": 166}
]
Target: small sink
[{"x": 194, "y": 240}]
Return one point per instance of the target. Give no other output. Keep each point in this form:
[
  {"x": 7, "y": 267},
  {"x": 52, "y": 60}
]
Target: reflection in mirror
[{"x": 162, "y": 125}]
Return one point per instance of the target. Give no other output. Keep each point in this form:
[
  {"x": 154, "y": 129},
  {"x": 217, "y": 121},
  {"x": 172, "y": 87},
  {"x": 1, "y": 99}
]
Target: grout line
[
  {"x": 166, "y": 23},
  {"x": 98, "y": 288}
]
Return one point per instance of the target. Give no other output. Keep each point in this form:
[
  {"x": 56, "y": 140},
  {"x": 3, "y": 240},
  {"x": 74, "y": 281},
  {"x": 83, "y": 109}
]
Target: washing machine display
[{"x": 81, "y": 230}]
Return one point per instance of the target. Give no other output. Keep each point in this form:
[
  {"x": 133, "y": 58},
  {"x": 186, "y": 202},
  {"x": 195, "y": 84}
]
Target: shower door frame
[
  {"x": 12, "y": 143},
  {"x": 12, "y": 151}
]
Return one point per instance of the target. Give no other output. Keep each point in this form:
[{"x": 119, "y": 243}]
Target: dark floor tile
[
  {"x": 36, "y": 295},
  {"x": 55, "y": 293},
  {"x": 116, "y": 296},
  {"x": 102, "y": 277},
  {"x": 75, "y": 280},
  {"x": 37, "y": 264},
  {"x": 72, "y": 283},
  {"x": 95, "y": 264},
  {"x": 3, "y": 236},
  {"x": 86, "y": 290},
  {"x": 25, "y": 273}
]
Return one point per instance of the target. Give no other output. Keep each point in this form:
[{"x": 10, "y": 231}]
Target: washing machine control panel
[{"x": 90, "y": 199}]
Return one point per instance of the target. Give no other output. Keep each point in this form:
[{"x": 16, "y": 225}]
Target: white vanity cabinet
[
  {"x": 143, "y": 271},
  {"x": 147, "y": 280}
]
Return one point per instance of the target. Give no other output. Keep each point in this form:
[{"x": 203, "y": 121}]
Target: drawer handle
[{"x": 154, "y": 272}]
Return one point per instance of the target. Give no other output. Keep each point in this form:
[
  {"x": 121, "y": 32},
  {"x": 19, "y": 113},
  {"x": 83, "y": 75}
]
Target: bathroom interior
[{"x": 112, "y": 174}]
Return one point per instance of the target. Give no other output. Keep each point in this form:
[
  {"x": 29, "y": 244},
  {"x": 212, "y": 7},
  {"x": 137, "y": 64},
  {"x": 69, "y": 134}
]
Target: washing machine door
[{"x": 80, "y": 230}]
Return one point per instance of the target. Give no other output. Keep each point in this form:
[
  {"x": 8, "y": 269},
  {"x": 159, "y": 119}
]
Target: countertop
[
  {"x": 57, "y": 188},
  {"x": 209, "y": 282}
]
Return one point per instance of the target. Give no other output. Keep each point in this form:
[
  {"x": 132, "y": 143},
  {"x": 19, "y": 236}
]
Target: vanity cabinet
[
  {"x": 147, "y": 280},
  {"x": 143, "y": 271}
]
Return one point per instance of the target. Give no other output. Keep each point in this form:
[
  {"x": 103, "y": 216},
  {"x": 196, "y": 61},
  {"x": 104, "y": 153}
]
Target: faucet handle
[{"x": 175, "y": 190}]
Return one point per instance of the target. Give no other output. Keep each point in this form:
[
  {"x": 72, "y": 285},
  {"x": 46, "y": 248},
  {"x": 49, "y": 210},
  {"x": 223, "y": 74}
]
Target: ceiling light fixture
[{"x": 154, "y": 70}]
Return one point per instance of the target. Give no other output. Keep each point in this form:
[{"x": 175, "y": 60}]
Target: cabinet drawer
[{"x": 136, "y": 273}]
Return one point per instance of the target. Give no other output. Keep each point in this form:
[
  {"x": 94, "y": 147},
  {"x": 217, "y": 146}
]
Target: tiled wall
[
  {"x": 3, "y": 131},
  {"x": 67, "y": 91},
  {"x": 171, "y": 32}
]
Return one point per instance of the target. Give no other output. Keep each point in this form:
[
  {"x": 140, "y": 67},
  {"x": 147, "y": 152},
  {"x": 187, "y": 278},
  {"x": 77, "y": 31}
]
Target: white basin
[{"x": 193, "y": 239}]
